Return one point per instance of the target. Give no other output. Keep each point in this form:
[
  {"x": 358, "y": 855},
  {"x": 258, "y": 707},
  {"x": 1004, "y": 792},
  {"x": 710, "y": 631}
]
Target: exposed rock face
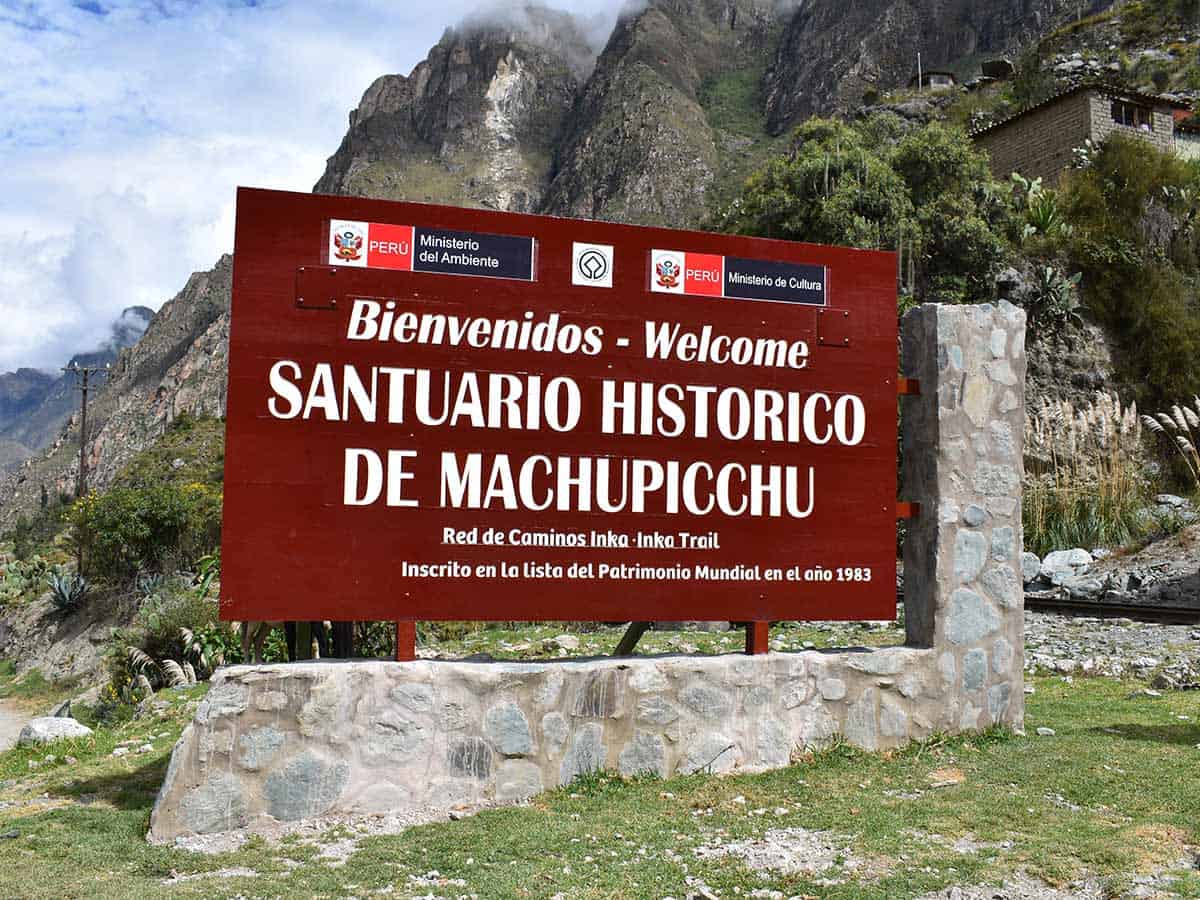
[
  {"x": 833, "y": 51},
  {"x": 177, "y": 366},
  {"x": 35, "y": 405},
  {"x": 474, "y": 124},
  {"x": 640, "y": 146}
]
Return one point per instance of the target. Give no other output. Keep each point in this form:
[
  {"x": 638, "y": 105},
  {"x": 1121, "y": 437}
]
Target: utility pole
[{"x": 84, "y": 373}]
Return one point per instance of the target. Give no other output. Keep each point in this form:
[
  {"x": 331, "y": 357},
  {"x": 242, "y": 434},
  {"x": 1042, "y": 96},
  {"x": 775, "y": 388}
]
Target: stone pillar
[{"x": 962, "y": 446}]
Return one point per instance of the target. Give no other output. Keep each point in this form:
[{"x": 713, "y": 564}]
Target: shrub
[
  {"x": 1132, "y": 211},
  {"x": 175, "y": 634},
  {"x": 875, "y": 185},
  {"x": 128, "y": 530}
]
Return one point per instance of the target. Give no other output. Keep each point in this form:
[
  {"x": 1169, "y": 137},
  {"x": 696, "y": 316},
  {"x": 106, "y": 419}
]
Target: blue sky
[{"x": 126, "y": 126}]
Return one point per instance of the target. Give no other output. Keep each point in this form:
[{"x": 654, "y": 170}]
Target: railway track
[{"x": 1175, "y": 614}]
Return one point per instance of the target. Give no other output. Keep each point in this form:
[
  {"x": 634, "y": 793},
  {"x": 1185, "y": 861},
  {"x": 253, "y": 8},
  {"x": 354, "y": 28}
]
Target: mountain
[
  {"x": 657, "y": 122},
  {"x": 833, "y": 52},
  {"x": 34, "y": 405},
  {"x": 476, "y": 123}
]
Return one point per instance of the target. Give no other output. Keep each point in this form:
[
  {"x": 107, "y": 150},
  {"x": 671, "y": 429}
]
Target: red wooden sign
[{"x": 440, "y": 413}]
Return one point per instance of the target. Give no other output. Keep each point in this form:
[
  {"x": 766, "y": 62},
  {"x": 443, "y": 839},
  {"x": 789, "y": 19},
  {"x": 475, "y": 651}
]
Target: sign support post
[{"x": 406, "y": 641}]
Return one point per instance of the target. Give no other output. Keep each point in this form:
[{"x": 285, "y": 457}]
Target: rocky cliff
[
  {"x": 476, "y": 123},
  {"x": 832, "y": 52},
  {"x": 177, "y": 365},
  {"x": 35, "y": 405},
  {"x": 646, "y": 138}
]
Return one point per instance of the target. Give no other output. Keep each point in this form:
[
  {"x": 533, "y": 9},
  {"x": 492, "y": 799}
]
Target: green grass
[
  {"x": 519, "y": 640},
  {"x": 191, "y": 450},
  {"x": 1113, "y": 793},
  {"x": 31, "y": 690}
]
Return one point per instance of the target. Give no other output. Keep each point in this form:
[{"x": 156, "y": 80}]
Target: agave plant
[{"x": 66, "y": 590}]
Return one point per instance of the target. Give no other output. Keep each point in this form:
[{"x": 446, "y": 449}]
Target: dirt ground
[{"x": 12, "y": 720}]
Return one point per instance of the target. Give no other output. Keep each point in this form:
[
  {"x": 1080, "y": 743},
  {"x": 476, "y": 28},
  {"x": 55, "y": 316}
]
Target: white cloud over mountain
[{"x": 125, "y": 128}]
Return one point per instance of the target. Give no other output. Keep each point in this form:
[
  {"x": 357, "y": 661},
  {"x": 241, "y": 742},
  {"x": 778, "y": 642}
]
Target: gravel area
[{"x": 1168, "y": 656}]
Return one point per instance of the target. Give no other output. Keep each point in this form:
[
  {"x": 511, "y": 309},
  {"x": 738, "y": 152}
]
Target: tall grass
[
  {"x": 1181, "y": 427},
  {"x": 1084, "y": 484}
]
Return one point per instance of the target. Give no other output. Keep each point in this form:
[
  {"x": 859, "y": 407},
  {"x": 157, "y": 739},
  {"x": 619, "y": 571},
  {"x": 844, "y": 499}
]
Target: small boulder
[
  {"x": 48, "y": 729},
  {"x": 1065, "y": 563},
  {"x": 565, "y": 642},
  {"x": 1031, "y": 567}
]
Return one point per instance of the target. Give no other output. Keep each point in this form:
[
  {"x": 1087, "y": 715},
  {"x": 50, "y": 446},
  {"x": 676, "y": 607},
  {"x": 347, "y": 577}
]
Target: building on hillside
[
  {"x": 1038, "y": 141},
  {"x": 934, "y": 81}
]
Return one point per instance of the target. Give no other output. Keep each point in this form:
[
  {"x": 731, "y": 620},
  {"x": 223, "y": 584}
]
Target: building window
[{"x": 1133, "y": 115}]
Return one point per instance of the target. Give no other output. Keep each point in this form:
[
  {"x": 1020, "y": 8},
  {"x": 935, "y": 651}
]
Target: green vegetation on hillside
[{"x": 874, "y": 184}]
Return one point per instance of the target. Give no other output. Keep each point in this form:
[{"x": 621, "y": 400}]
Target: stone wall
[
  {"x": 1038, "y": 144},
  {"x": 285, "y": 743}
]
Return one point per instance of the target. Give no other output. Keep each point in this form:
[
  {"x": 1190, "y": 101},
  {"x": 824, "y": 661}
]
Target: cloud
[{"x": 126, "y": 127}]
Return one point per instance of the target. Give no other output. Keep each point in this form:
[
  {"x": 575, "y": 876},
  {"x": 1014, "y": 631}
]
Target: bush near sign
[{"x": 447, "y": 424}]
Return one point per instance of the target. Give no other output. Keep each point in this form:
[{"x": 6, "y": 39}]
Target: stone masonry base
[{"x": 288, "y": 742}]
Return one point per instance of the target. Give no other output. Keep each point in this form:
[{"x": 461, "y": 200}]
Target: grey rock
[
  {"x": 1000, "y": 582},
  {"x": 893, "y": 720},
  {"x": 644, "y": 754},
  {"x": 224, "y": 699},
  {"x": 1070, "y": 562},
  {"x": 970, "y": 618},
  {"x": 794, "y": 693},
  {"x": 1083, "y": 587},
  {"x": 710, "y": 752},
  {"x": 1002, "y": 439},
  {"x": 1031, "y": 567},
  {"x": 48, "y": 729},
  {"x": 508, "y": 729},
  {"x": 1002, "y": 656},
  {"x": 1004, "y": 543},
  {"x": 555, "y": 730},
  {"x": 517, "y": 779},
  {"x": 756, "y": 696},
  {"x": 861, "y": 728},
  {"x": 307, "y": 786},
  {"x": 998, "y": 698},
  {"x": 975, "y": 666},
  {"x": 832, "y": 688},
  {"x": 993, "y": 478},
  {"x": 452, "y": 716},
  {"x": 1171, "y": 500},
  {"x": 219, "y": 804},
  {"x": 470, "y": 757},
  {"x": 970, "y": 554},
  {"x": 656, "y": 710},
  {"x": 258, "y": 747},
  {"x": 600, "y": 695},
  {"x": 706, "y": 700},
  {"x": 394, "y": 737},
  {"x": 416, "y": 697},
  {"x": 974, "y": 515},
  {"x": 774, "y": 743},
  {"x": 586, "y": 754}
]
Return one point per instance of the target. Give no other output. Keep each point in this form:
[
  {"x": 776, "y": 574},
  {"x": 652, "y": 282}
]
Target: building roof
[
  {"x": 929, "y": 73},
  {"x": 1102, "y": 87}
]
